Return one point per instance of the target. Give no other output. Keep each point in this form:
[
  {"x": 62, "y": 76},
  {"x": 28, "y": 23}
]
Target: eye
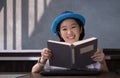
[
  {"x": 74, "y": 26},
  {"x": 64, "y": 29}
]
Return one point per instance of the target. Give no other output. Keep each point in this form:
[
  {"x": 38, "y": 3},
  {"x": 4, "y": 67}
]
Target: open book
[{"x": 76, "y": 55}]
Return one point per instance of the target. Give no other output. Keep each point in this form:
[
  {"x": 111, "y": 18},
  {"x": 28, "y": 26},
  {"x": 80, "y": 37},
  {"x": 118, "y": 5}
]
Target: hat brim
[{"x": 64, "y": 16}]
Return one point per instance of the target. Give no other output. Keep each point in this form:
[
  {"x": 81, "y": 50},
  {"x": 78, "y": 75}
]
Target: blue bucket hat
[{"x": 64, "y": 15}]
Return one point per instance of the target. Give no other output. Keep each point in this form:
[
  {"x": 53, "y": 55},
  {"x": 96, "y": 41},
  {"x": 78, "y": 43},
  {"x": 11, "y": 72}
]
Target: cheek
[
  {"x": 78, "y": 33},
  {"x": 78, "y": 36},
  {"x": 62, "y": 34}
]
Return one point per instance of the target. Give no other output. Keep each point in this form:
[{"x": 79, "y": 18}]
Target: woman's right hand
[{"x": 45, "y": 55}]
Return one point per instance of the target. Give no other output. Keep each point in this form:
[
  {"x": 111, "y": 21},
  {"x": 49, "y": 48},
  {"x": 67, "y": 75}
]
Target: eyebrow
[
  {"x": 63, "y": 26},
  {"x": 71, "y": 24}
]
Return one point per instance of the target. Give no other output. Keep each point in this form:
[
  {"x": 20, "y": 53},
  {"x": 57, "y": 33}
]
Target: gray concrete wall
[{"x": 25, "y": 24}]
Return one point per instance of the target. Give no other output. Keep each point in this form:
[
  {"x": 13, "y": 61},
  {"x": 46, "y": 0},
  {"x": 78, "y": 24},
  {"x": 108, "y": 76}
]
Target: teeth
[{"x": 71, "y": 37}]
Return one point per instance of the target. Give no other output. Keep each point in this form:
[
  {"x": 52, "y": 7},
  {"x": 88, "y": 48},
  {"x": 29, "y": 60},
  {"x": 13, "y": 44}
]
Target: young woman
[{"x": 69, "y": 27}]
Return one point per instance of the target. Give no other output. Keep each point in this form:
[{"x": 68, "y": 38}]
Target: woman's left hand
[{"x": 98, "y": 56}]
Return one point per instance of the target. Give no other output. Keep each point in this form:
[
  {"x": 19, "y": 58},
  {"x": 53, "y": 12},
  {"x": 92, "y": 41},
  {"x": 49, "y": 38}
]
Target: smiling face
[{"x": 70, "y": 30}]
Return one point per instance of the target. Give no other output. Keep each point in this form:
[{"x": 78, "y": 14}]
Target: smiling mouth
[{"x": 71, "y": 37}]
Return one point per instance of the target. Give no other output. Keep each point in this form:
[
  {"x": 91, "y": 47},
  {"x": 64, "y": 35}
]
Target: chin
[{"x": 72, "y": 42}]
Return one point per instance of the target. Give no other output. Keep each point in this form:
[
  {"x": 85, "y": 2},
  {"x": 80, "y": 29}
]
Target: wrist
[
  {"x": 102, "y": 62},
  {"x": 41, "y": 62}
]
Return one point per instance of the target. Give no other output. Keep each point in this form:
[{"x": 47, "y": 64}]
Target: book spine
[{"x": 73, "y": 54}]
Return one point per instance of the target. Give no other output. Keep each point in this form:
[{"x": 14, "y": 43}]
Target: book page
[
  {"x": 58, "y": 42},
  {"x": 84, "y": 41}
]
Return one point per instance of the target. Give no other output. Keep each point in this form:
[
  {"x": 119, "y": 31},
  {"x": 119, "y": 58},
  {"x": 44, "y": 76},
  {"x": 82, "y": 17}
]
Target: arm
[
  {"x": 100, "y": 57},
  {"x": 39, "y": 66},
  {"x": 104, "y": 67}
]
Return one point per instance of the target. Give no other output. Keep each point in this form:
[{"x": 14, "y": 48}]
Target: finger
[
  {"x": 46, "y": 49},
  {"x": 99, "y": 59},
  {"x": 47, "y": 55},
  {"x": 98, "y": 54}
]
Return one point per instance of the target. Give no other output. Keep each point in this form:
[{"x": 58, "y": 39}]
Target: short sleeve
[{"x": 96, "y": 65}]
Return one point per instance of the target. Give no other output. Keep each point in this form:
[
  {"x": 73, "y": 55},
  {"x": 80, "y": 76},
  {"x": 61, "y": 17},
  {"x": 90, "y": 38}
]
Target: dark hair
[{"x": 79, "y": 23}]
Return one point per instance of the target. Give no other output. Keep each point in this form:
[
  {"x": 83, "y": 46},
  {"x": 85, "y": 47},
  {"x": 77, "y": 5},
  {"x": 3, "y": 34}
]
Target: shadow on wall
[
  {"x": 40, "y": 35},
  {"x": 42, "y": 31},
  {"x": 2, "y": 4},
  {"x": 106, "y": 14}
]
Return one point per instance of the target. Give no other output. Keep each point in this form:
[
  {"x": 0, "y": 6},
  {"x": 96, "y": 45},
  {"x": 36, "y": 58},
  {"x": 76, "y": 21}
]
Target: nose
[{"x": 69, "y": 31}]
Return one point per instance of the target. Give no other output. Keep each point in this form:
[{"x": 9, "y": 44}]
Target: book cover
[{"x": 76, "y": 55}]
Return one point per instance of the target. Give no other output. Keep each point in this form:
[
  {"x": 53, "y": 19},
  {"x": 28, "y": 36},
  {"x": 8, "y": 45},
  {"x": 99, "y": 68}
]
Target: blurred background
[{"x": 25, "y": 24}]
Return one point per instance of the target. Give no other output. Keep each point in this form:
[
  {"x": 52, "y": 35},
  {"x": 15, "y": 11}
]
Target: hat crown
[{"x": 66, "y": 12}]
